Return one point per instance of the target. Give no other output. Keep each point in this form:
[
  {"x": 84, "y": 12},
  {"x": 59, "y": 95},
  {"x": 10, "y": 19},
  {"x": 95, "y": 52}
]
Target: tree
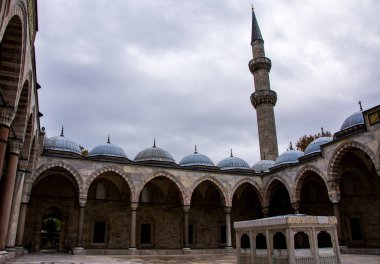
[
  {"x": 83, "y": 150},
  {"x": 305, "y": 140}
]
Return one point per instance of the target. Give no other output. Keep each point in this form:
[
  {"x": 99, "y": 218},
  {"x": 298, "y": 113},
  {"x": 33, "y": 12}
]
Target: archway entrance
[
  {"x": 359, "y": 204},
  {"x": 279, "y": 203},
  {"x": 160, "y": 215},
  {"x": 207, "y": 218},
  {"x": 52, "y": 214},
  {"x": 245, "y": 205},
  {"x": 314, "y": 199}
]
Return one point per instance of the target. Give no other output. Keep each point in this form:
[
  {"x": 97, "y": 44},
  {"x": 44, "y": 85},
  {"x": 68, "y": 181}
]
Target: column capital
[
  {"x": 265, "y": 210},
  {"x": 7, "y": 114},
  {"x": 186, "y": 208},
  {"x": 296, "y": 205},
  {"x": 263, "y": 97},
  {"x": 227, "y": 209},
  {"x": 14, "y": 146},
  {"x": 82, "y": 202},
  {"x": 134, "y": 206},
  {"x": 334, "y": 198},
  {"x": 22, "y": 165}
]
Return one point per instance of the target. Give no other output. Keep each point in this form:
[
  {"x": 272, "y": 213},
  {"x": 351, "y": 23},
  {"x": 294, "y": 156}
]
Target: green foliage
[{"x": 305, "y": 140}]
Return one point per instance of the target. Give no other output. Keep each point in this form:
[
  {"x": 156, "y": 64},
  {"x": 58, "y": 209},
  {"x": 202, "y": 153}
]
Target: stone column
[
  {"x": 16, "y": 201},
  {"x": 296, "y": 207},
  {"x": 7, "y": 115},
  {"x": 228, "y": 227},
  {"x": 132, "y": 244},
  {"x": 265, "y": 211},
  {"x": 186, "y": 209},
  {"x": 7, "y": 188},
  {"x": 24, "y": 205},
  {"x": 21, "y": 225},
  {"x": 79, "y": 250},
  {"x": 334, "y": 198},
  {"x": 238, "y": 246}
]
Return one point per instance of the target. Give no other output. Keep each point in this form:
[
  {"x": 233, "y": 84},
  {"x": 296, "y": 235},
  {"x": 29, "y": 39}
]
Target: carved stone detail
[
  {"x": 263, "y": 97},
  {"x": 14, "y": 146},
  {"x": 260, "y": 63},
  {"x": 7, "y": 114}
]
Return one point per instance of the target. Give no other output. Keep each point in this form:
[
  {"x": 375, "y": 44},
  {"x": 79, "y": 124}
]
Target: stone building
[{"x": 54, "y": 197}]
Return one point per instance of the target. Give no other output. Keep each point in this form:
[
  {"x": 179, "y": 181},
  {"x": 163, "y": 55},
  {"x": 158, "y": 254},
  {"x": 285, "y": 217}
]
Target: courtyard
[{"x": 44, "y": 258}]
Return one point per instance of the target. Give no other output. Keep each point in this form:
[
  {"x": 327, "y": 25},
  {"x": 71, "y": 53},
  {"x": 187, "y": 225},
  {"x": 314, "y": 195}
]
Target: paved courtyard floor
[{"x": 44, "y": 258}]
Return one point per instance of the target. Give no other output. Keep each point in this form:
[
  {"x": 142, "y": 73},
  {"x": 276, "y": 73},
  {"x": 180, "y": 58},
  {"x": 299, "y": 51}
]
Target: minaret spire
[
  {"x": 263, "y": 99},
  {"x": 256, "y": 33}
]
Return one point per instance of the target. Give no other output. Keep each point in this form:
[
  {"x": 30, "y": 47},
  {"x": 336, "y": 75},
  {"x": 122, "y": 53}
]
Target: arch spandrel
[
  {"x": 339, "y": 153},
  {"x": 268, "y": 188},
  {"x": 74, "y": 172},
  {"x": 177, "y": 182},
  {"x": 116, "y": 170},
  {"x": 222, "y": 189},
  {"x": 301, "y": 175},
  {"x": 253, "y": 183}
]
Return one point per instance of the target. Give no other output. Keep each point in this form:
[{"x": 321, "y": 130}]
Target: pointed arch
[
  {"x": 269, "y": 186},
  {"x": 165, "y": 174},
  {"x": 223, "y": 191},
  {"x": 254, "y": 185},
  {"x": 339, "y": 153},
  {"x": 116, "y": 170},
  {"x": 59, "y": 164},
  {"x": 301, "y": 175}
]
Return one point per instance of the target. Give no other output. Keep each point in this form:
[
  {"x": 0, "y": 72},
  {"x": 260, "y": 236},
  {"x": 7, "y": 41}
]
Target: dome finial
[
  {"x": 154, "y": 142},
  {"x": 360, "y": 105},
  {"x": 231, "y": 154},
  {"x": 109, "y": 141},
  {"x": 62, "y": 132},
  {"x": 323, "y": 132},
  {"x": 195, "y": 149},
  {"x": 252, "y": 7},
  {"x": 290, "y": 146}
]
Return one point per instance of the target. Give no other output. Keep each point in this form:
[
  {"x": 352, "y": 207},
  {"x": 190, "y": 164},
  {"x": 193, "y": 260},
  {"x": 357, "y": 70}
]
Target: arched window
[
  {"x": 244, "y": 241},
  {"x": 279, "y": 241},
  {"x": 261, "y": 241},
  {"x": 301, "y": 240},
  {"x": 324, "y": 240}
]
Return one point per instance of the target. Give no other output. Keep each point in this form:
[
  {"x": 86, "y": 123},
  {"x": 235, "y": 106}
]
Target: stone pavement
[{"x": 45, "y": 258}]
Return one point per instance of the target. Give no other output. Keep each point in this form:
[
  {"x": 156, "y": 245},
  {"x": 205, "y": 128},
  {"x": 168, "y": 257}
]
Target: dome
[
  {"x": 353, "y": 120},
  {"x": 62, "y": 143},
  {"x": 232, "y": 163},
  {"x": 263, "y": 165},
  {"x": 108, "y": 149},
  {"x": 288, "y": 157},
  {"x": 315, "y": 145},
  {"x": 154, "y": 154},
  {"x": 196, "y": 159}
]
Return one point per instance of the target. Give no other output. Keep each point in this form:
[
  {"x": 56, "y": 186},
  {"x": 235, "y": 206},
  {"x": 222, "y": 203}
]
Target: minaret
[{"x": 263, "y": 99}]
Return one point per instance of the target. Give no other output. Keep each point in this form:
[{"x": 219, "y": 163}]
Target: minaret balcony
[
  {"x": 259, "y": 63},
  {"x": 263, "y": 97}
]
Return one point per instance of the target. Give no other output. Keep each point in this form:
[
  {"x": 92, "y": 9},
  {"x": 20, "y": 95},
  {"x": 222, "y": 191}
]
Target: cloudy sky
[{"x": 177, "y": 70}]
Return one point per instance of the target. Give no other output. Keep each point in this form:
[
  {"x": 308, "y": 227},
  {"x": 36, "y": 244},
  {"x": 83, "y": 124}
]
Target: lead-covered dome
[
  {"x": 62, "y": 143},
  {"x": 196, "y": 159},
  {"x": 263, "y": 166},
  {"x": 315, "y": 145},
  {"x": 108, "y": 149},
  {"x": 353, "y": 120},
  {"x": 288, "y": 157},
  {"x": 233, "y": 163},
  {"x": 154, "y": 154}
]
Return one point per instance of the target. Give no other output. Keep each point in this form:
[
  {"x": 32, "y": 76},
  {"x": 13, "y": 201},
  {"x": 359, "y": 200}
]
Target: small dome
[
  {"x": 263, "y": 165},
  {"x": 108, "y": 149},
  {"x": 196, "y": 159},
  {"x": 288, "y": 157},
  {"x": 154, "y": 154},
  {"x": 315, "y": 145},
  {"x": 232, "y": 163},
  {"x": 353, "y": 120},
  {"x": 62, "y": 143}
]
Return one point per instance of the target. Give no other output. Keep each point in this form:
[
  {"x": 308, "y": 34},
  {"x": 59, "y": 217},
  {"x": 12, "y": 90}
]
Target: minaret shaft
[{"x": 263, "y": 99}]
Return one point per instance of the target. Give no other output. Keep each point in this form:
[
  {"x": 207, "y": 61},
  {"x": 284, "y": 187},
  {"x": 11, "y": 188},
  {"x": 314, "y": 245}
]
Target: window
[
  {"x": 244, "y": 241},
  {"x": 301, "y": 240},
  {"x": 99, "y": 234},
  {"x": 146, "y": 233}
]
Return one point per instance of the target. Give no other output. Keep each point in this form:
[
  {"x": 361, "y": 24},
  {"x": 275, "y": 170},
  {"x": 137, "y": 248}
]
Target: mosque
[{"x": 53, "y": 197}]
